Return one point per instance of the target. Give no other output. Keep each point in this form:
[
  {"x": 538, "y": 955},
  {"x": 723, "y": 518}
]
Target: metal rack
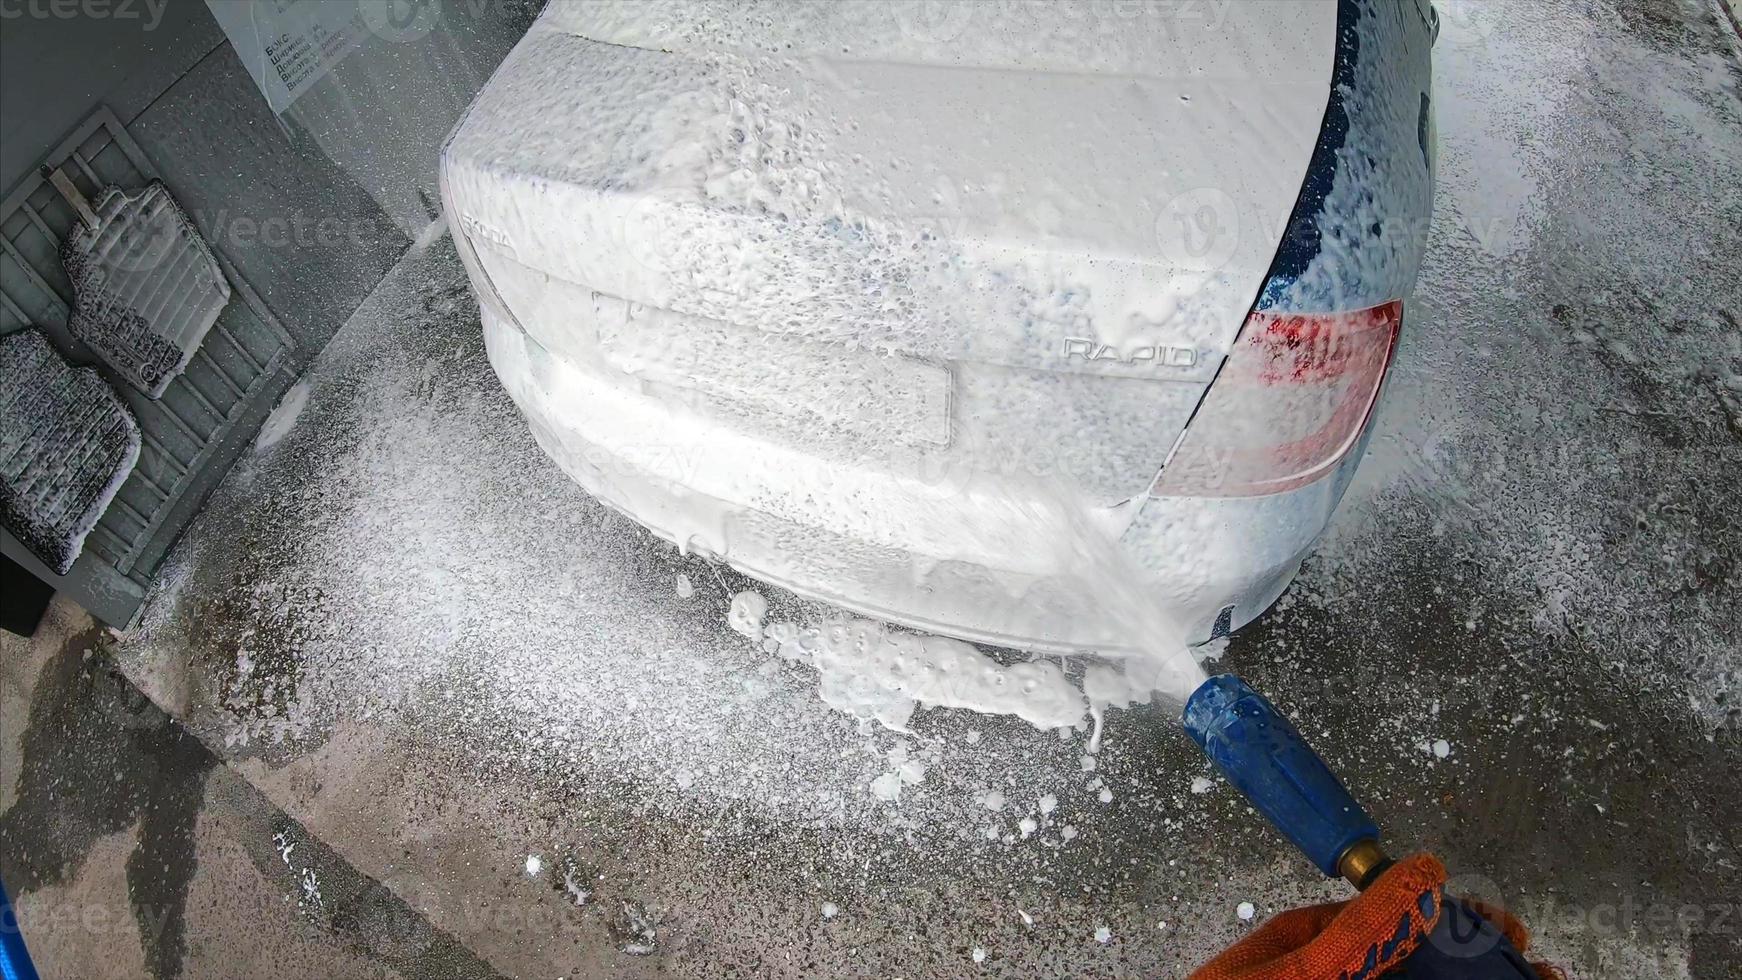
[{"x": 184, "y": 430}]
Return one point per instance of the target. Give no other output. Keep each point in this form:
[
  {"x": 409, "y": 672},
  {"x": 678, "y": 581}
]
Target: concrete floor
[{"x": 400, "y": 654}]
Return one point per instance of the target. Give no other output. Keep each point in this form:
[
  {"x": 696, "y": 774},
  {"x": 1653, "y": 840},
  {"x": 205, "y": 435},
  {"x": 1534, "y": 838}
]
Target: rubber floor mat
[
  {"x": 67, "y": 443},
  {"x": 146, "y": 285}
]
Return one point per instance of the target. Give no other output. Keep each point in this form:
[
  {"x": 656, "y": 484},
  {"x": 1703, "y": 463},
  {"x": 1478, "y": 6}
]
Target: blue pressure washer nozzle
[{"x": 1266, "y": 759}]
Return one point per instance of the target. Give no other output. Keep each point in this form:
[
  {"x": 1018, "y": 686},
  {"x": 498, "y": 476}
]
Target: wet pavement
[{"x": 410, "y": 704}]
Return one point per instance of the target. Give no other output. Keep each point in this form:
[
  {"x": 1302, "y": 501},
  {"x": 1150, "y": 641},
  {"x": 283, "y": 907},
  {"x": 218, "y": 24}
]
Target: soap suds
[
  {"x": 506, "y": 600},
  {"x": 874, "y": 671},
  {"x": 283, "y": 416},
  {"x": 372, "y": 607},
  {"x": 747, "y": 612},
  {"x": 776, "y": 267}
]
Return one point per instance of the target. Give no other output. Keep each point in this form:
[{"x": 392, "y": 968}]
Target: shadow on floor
[{"x": 99, "y": 757}]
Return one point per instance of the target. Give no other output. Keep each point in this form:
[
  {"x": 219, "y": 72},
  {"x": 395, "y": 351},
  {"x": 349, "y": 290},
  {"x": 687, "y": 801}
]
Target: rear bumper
[
  {"x": 814, "y": 337},
  {"x": 948, "y": 553}
]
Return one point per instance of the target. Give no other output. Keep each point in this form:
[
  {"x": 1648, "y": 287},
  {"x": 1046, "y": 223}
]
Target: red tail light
[{"x": 1288, "y": 405}]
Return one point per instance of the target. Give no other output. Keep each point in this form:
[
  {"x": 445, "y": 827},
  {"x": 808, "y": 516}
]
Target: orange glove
[{"x": 1378, "y": 932}]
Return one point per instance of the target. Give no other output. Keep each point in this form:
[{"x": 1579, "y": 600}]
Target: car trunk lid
[{"x": 1025, "y": 244}]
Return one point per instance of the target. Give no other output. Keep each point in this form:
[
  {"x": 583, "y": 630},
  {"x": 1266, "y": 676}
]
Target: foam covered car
[{"x": 846, "y": 293}]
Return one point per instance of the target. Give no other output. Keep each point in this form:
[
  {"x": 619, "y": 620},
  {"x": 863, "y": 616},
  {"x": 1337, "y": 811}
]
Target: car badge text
[{"x": 1161, "y": 354}]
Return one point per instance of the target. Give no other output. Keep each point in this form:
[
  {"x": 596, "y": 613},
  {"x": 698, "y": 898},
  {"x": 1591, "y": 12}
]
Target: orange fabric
[{"x": 1363, "y": 937}]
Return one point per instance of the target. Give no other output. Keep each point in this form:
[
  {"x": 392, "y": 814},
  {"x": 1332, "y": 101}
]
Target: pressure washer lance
[
  {"x": 1402, "y": 925},
  {"x": 1267, "y": 759}
]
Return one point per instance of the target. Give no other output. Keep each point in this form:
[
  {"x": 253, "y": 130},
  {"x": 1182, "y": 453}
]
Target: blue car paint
[{"x": 1355, "y": 236}]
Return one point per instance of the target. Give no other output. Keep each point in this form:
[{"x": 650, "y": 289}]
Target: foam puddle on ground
[
  {"x": 875, "y": 672},
  {"x": 871, "y": 671},
  {"x": 406, "y": 558}
]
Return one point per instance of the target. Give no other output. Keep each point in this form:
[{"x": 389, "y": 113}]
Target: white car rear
[{"x": 843, "y": 292}]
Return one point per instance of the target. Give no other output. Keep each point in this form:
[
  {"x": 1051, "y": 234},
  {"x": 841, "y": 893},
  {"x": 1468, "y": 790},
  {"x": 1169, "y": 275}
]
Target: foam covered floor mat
[{"x": 67, "y": 443}]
